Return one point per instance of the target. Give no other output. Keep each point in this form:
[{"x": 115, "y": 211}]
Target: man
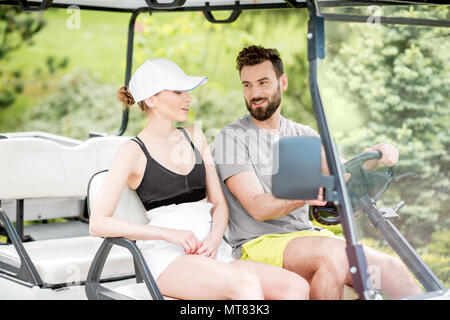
[{"x": 278, "y": 231}]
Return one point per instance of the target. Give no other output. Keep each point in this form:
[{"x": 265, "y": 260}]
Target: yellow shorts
[{"x": 269, "y": 248}]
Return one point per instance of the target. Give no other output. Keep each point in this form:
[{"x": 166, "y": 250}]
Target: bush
[
  {"x": 440, "y": 242},
  {"x": 79, "y": 105},
  {"x": 440, "y": 265}
]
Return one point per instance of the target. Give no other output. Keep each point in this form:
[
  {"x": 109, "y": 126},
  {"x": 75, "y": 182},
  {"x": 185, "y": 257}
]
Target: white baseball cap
[{"x": 160, "y": 74}]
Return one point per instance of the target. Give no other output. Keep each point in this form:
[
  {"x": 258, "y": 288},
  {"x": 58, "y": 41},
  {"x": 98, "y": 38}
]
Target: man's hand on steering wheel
[
  {"x": 389, "y": 156},
  {"x": 361, "y": 180}
]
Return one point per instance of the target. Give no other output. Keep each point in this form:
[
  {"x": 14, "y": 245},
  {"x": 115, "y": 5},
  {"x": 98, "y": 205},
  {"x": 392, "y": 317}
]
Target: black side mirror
[{"x": 297, "y": 167}]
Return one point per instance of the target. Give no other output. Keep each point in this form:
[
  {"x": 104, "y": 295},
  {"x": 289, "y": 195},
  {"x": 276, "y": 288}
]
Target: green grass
[{"x": 99, "y": 45}]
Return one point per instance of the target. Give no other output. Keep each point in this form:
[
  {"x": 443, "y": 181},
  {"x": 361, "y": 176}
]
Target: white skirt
[{"x": 193, "y": 216}]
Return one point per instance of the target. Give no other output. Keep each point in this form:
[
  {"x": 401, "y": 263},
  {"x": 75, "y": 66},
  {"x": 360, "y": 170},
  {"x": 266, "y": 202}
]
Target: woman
[{"x": 173, "y": 173}]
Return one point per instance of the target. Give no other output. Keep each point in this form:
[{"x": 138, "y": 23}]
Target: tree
[
  {"x": 16, "y": 29},
  {"x": 398, "y": 76}
]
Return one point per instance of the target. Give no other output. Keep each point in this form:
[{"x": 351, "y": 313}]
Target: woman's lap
[
  {"x": 199, "y": 277},
  {"x": 275, "y": 280}
]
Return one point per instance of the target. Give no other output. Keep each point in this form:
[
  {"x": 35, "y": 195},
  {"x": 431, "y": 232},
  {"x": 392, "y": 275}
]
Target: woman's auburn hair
[{"x": 123, "y": 94}]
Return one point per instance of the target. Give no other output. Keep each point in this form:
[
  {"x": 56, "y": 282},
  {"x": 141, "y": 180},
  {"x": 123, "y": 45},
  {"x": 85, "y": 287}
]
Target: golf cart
[{"x": 46, "y": 176}]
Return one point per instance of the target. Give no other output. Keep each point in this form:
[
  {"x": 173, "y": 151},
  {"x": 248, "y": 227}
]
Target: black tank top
[{"x": 161, "y": 186}]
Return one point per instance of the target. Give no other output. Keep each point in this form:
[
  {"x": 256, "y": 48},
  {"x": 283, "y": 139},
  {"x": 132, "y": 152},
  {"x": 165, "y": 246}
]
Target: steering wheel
[{"x": 361, "y": 182}]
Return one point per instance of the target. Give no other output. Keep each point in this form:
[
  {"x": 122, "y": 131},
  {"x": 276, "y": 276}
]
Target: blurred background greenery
[{"x": 379, "y": 84}]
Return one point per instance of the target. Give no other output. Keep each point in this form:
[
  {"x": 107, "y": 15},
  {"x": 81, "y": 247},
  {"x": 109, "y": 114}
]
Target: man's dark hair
[{"x": 253, "y": 55}]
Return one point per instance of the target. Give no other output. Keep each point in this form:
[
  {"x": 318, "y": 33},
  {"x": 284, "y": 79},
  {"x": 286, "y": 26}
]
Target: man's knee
[
  {"x": 334, "y": 258},
  {"x": 335, "y": 265},
  {"x": 310, "y": 254}
]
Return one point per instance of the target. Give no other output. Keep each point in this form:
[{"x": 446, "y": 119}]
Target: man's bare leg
[
  {"x": 322, "y": 261},
  {"x": 390, "y": 275}
]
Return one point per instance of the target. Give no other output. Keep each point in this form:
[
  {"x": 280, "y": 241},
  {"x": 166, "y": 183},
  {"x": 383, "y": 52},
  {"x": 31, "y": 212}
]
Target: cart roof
[{"x": 198, "y": 5}]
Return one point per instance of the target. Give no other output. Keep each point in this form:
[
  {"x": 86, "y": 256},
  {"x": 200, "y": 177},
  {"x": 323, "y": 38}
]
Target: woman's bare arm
[
  {"x": 102, "y": 223},
  {"x": 209, "y": 246},
  {"x": 213, "y": 188}
]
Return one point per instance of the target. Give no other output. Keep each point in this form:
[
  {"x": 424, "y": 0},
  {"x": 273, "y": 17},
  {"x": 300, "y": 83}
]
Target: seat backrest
[
  {"x": 129, "y": 208},
  {"x": 40, "y": 168}
]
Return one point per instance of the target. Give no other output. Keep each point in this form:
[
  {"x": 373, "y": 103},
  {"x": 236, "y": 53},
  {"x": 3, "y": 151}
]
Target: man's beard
[{"x": 261, "y": 113}]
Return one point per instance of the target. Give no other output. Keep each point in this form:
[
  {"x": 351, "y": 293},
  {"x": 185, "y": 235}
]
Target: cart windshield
[{"x": 390, "y": 84}]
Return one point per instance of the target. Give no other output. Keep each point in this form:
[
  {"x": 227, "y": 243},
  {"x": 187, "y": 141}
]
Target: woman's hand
[
  {"x": 184, "y": 238},
  {"x": 209, "y": 246}
]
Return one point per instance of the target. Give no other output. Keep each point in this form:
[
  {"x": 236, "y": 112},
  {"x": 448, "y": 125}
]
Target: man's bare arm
[
  {"x": 261, "y": 206},
  {"x": 247, "y": 188}
]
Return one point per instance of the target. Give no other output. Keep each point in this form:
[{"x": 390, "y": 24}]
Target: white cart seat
[{"x": 67, "y": 261}]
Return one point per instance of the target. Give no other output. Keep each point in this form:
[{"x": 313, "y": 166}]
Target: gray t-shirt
[{"x": 239, "y": 147}]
